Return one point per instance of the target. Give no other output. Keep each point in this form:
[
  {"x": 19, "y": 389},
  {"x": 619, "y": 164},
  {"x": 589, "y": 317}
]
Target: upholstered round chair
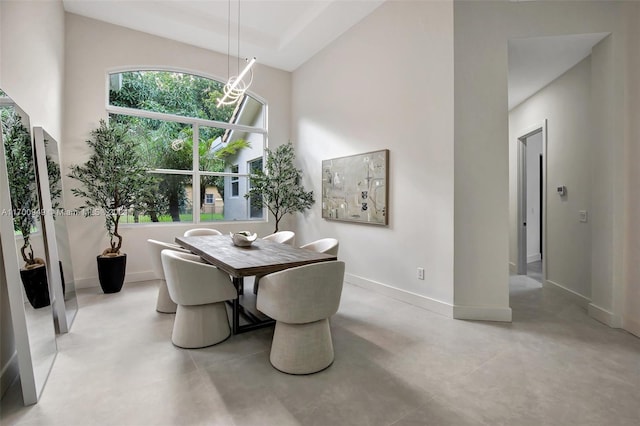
[
  {"x": 301, "y": 300},
  {"x": 200, "y": 291},
  {"x": 284, "y": 237},
  {"x": 195, "y": 232},
  {"x": 164, "y": 304},
  {"x": 325, "y": 245}
]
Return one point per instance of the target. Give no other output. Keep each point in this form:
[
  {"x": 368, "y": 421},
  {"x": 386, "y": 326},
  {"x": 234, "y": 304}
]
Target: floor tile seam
[
  {"x": 498, "y": 354},
  {"x": 409, "y": 412}
]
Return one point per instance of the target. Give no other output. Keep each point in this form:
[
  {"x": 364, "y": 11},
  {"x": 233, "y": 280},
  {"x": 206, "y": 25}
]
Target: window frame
[
  {"x": 195, "y": 123},
  {"x": 235, "y": 180},
  {"x": 250, "y": 171}
]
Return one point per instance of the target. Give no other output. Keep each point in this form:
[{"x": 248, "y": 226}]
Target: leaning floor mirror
[
  {"x": 65, "y": 305},
  {"x": 23, "y": 252}
]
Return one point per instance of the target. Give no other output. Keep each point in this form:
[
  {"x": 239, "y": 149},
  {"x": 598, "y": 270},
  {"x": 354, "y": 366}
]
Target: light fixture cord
[
  {"x": 238, "y": 37},
  {"x": 228, "y": 39}
]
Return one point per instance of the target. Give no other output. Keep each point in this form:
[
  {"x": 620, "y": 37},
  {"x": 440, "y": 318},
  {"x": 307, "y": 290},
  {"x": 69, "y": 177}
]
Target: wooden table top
[{"x": 262, "y": 257}]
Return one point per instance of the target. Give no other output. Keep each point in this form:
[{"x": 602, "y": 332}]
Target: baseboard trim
[
  {"x": 578, "y": 298},
  {"x": 409, "y": 297},
  {"x": 482, "y": 313},
  {"x": 9, "y": 373},
  {"x": 631, "y": 326},
  {"x": 131, "y": 277},
  {"x": 534, "y": 258},
  {"x": 513, "y": 268},
  {"x": 604, "y": 316}
]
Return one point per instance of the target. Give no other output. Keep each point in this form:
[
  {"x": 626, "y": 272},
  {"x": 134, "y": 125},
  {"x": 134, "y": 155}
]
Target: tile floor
[
  {"x": 395, "y": 365},
  {"x": 534, "y": 270}
]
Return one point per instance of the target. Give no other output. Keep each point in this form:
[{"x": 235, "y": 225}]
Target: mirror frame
[
  {"x": 62, "y": 323},
  {"x": 31, "y": 388}
]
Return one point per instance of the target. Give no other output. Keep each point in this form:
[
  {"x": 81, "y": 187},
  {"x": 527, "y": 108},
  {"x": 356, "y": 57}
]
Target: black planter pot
[
  {"x": 111, "y": 270},
  {"x": 36, "y": 286}
]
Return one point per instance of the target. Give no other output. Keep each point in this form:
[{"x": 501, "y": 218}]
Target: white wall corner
[
  {"x": 578, "y": 298},
  {"x": 130, "y": 277},
  {"x": 482, "y": 313},
  {"x": 604, "y": 316},
  {"x": 513, "y": 268},
  {"x": 9, "y": 373},
  {"x": 411, "y": 298}
]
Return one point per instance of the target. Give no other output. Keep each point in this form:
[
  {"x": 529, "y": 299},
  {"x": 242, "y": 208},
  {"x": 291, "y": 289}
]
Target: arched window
[{"x": 201, "y": 155}]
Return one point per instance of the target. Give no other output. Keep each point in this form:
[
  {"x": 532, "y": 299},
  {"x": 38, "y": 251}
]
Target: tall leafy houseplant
[
  {"x": 24, "y": 201},
  {"x": 22, "y": 184},
  {"x": 113, "y": 180},
  {"x": 279, "y": 187}
]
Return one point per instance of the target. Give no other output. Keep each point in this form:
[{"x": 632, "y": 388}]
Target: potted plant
[
  {"x": 24, "y": 200},
  {"x": 113, "y": 180},
  {"x": 279, "y": 187}
]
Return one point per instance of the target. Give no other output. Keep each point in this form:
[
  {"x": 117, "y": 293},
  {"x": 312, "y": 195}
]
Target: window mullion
[{"x": 196, "y": 174}]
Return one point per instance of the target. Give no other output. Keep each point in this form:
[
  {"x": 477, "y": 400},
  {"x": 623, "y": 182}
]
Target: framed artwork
[{"x": 356, "y": 188}]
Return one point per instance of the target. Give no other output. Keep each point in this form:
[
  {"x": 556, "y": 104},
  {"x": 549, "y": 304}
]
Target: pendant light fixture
[{"x": 236, "y": 86}]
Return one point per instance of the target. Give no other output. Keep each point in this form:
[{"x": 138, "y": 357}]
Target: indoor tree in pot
[
  {"x": 113, "y": 179},
  {"x": 24, "y": 200},
  {"x": 279, "y": 186}
]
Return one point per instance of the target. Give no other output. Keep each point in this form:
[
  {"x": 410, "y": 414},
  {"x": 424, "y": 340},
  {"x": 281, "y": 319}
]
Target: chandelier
[{"x": 236, "y": 86}]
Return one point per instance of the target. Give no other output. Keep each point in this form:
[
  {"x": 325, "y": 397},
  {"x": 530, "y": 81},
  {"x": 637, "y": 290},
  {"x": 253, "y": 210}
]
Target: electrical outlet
[
  {"x": 421, "y": 273},
  {"x": 583, "y": 215}
]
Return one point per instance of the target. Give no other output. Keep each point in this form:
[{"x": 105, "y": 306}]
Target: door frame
[{"x": 521, "y": 190}]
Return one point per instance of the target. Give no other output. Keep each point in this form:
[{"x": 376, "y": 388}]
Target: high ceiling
[
  {"x": 280, "y": 33},
  {"x": 535, "y": 62},
  {"x": 286, "y": 33}
]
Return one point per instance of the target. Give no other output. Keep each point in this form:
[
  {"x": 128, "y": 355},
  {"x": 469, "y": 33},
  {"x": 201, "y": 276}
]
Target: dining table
[{"x": 262, "y": 257}]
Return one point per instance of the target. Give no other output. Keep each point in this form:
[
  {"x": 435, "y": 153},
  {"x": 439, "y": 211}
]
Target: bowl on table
[{"x": 243, "y": 238}]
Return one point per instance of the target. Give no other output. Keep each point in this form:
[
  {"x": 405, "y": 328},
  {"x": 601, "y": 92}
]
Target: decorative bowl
[{"x": 243, "y": 238}]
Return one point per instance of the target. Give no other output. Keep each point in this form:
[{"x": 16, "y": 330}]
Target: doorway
[{"x": 531, "y": 203}]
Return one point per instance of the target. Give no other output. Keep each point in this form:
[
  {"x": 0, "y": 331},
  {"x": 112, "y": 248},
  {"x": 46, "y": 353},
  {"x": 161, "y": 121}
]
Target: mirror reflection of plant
[
  {"x": 55, "y": 189},
  {"x": 113, "y": 179},
  {"x": 22, "y": 183}
]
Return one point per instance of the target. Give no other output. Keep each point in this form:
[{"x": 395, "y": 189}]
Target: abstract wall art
[{"x": 356, "y": 188}]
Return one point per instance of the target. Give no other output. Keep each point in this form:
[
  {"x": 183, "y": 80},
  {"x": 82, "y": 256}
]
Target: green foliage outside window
[{"x": 167, "y": 144}]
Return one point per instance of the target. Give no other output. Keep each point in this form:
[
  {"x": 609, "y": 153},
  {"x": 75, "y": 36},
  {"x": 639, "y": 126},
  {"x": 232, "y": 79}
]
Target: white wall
[
  {"x": 387, "y": 83},
  {"x": 482, "y": 30},
  {"x": 93, "y": 48},
  {"x": 32, "y": 60},
  {"x": 534, "y": 149},
  {"x": 31, "y": 72},
  {"x": 631, "y": 312},
  {"x": 566, "y": 104}
]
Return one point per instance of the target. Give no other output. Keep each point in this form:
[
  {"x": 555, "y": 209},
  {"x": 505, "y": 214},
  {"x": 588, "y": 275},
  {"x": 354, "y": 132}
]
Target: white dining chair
[
  {"x": 324, "y": 245},
  {"x": 284, "y": 237},
  {"x": 301, "y": 300},
  {"x": 200, "y": 291},
  {"x": 195, "y": 232},
  {"x": 164, "y": 304}
]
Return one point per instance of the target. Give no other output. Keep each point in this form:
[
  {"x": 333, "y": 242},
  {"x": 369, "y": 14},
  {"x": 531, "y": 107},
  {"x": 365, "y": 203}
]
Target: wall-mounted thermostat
[{"x": 562, "y": 190}]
